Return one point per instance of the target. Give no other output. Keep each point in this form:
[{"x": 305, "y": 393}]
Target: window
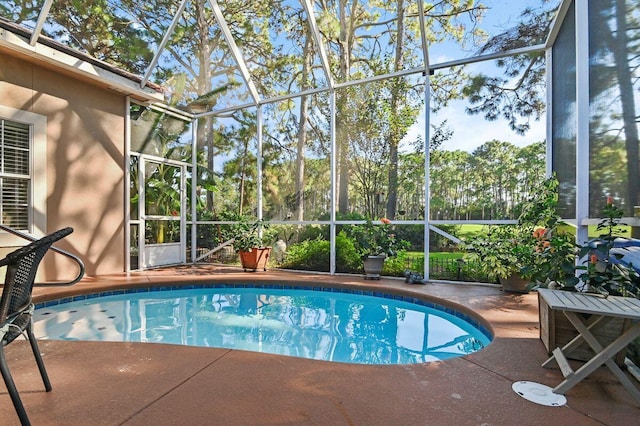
[
  {"x": 15, "y": 176},
  {"x": 22, "y": 173}
]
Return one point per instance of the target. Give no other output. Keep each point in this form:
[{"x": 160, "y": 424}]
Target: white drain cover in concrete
[{"x": 540, "y": 394}]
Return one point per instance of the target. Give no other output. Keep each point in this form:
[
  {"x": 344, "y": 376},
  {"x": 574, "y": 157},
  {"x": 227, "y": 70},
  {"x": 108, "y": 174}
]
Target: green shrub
[
  {"x": 310, "y": 255},
  {"x": 395, "y": 266},
  {"x": 311, "y": 232},
  {"x": 414, "y": 234},
  {"x": 347, "y": 255},
  {"x": 313, "y": 255}
]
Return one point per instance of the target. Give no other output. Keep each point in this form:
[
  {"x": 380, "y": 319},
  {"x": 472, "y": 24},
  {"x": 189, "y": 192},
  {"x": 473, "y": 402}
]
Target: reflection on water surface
[{"x": 340, "y": 327}]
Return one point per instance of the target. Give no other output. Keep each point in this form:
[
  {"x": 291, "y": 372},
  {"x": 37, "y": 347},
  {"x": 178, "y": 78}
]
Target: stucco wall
[{"x": 85, "y": 161}]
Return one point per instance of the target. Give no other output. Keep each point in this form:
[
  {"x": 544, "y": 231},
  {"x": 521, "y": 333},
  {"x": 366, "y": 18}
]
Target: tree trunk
[
  {"x": 342, "y": 136},
  {"x": 242, "y": 176},
  {"x": 205, "y": 126},
  {"x": 395, "y": 134},
  {"x": 620, "y": 51},
  {"x": 302, "y": 130}
]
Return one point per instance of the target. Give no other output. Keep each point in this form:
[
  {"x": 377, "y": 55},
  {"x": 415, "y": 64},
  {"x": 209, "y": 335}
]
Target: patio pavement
[{"x": 99, "y": 383}]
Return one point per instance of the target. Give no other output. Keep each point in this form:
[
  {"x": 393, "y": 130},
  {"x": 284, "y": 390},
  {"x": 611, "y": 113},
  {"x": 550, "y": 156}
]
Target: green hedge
[{"x": 313, "y": 255}]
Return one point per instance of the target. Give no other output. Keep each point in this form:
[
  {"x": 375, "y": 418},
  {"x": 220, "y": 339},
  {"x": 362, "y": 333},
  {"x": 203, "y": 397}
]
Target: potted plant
[
  {"x": 375, "y": 243},
  {"x": 508, "y": 252},
  {"x": 501, "y": 253},
  {"x": 552, "y": 261},
  {"x": 248, "y": 240},
  {"x": 603, "y": 272}
]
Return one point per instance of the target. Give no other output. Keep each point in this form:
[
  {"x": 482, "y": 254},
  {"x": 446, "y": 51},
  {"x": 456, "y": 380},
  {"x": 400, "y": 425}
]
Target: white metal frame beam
[
  {"x": 235, "y": 51},
  {"x": 557, "y": 22},
  {"x": 42, "y": 17},
  {"x": 163, "y": 43},
  {"x": 313, "y": 25},
  {"x": 427, "y": 139},
  {"x": 410, "y": 71},
  {"x": 423, "y": 35},
  {"x": 582, "y": 122}
]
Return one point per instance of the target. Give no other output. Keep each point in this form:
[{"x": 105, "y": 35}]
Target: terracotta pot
[
  {"x": 255, "y": 259},
  {"x": 373, "y": 267}
]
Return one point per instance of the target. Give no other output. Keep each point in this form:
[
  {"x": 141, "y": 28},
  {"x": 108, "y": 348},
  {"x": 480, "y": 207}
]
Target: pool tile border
[{"x": 398, "y": 297}]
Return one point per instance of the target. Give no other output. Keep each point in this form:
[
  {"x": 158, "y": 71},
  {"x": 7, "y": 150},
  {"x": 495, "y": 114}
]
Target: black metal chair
[{"x": 16, "y": 308}]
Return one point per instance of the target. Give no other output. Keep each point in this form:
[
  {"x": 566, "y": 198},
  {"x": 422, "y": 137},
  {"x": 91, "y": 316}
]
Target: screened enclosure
[{"x": 316, "y": 116}]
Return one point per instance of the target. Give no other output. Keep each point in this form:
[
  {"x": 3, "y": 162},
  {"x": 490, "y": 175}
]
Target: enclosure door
[{"x": 162, "y": 212}]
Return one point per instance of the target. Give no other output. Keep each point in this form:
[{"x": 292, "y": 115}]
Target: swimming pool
[{"x": 332, "y": 325}]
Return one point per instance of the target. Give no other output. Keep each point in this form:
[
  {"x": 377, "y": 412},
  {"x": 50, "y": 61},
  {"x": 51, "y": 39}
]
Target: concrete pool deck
[{"x": 100, "y": 383}]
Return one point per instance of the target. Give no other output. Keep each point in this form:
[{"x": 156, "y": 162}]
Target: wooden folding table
[{"x": 600, "y": 309}]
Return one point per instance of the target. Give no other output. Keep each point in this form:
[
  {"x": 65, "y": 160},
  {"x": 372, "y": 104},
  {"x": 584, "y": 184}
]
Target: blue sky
[{"x": 471, "y": 131}]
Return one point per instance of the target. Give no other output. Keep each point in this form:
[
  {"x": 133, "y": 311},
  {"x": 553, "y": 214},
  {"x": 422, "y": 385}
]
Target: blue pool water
[{"x": 325, "y": 325}]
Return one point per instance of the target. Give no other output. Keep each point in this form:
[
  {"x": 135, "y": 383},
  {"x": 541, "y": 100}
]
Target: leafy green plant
[
  {"x": 552, "y": 262},
  {"x": 309, "y": 255},
  {"x": 501, "y": 252},
  {"x": 507, "y": 250},
  {"x": 376, "y": 240},
  {"x": 602, "y": 271},
  {"x": 313, "y": 255},
  {"x": 248, "y": 235},
  {"x": 347, "y": 254},
  {"x": 395, "y": 266}
]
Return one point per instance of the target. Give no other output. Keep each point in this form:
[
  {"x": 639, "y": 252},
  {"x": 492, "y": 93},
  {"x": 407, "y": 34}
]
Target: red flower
[
  {"x": 609, "y": 200},
  {"x": 539, "y": 233},
  {"x": 385, "y": 221},
  {"x": 594, "y": 259}
]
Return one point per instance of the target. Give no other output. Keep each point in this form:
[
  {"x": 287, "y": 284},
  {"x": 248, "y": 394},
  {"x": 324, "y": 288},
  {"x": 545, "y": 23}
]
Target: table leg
[
  {"x": 593, "y": 323},
  {"x": 603, "y": 356}
]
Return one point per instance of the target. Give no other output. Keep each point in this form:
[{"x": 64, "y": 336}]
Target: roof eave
[{"x": 75, "y": 65}]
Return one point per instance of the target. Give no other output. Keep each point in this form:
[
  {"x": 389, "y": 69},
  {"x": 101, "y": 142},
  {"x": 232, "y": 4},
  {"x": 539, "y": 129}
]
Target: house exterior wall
[{"x": 85, "y": 161}]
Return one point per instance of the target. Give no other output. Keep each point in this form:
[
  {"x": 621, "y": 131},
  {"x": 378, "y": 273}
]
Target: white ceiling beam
[
  {"x": 163, "y": 43},
  {"x": 557, "y": 22},
  {"x": 402, "y": 73},
  {"x": 489, "y": 56},
  {"x": 265, "y": 101},
  {"x": 313, "y": 26},
  {"x": 42, "y": 17},
  {"x": 423, "y": 35},
  {"x": 235, "y": 51}
]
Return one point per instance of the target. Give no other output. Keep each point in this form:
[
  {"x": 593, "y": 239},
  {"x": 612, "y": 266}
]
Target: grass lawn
[
  {"x": 434, "y": 255},
  {"x": 625, "y": 231},
  {"x": 465, "y": 232},
  {"x": 468, "y": 231}
]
